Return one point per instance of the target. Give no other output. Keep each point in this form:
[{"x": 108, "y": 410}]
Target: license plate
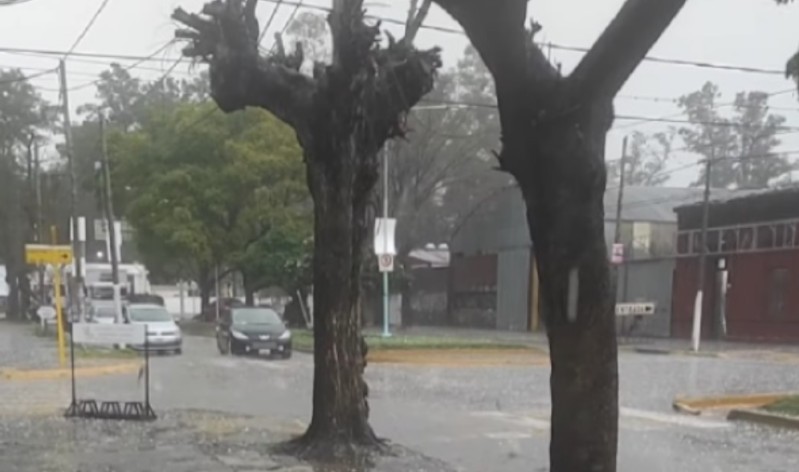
[{"x": 266, "y": 346}]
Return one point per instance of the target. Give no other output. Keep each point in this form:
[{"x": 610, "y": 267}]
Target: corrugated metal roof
[
  {"x": 720, "y": 197},
  {"x": 656, "y": 204}
]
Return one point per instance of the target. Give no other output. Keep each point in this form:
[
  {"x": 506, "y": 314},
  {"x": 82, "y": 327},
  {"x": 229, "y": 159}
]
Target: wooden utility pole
[
  {"x": 619, "y": 205},
  {"x": 39, "y": 233},
  {"x": 77, "y": 279},
  {"x": 108, "y": 207},
  {"x": 696, "y": 332}
]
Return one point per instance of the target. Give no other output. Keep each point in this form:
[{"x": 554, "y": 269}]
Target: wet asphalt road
[{"x": 491, "y": 418}]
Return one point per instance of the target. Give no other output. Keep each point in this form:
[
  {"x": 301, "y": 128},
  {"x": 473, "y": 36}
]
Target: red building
[{"x": 752, "y": 271}]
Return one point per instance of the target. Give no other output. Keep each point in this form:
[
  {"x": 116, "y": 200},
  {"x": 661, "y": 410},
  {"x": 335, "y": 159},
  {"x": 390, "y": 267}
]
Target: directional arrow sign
[{"x": 44, "y": 254}]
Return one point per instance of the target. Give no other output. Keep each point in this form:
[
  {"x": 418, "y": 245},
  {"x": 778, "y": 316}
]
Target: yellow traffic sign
[{"x": 47, "y": 254}]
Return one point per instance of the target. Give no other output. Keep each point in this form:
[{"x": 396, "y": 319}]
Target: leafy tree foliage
[
  {"x": 205, "y": 189},
  {"x": 22, "y": 116},
  {"x": 646, "y": 159},
  {"x": 740, "y": 145}
]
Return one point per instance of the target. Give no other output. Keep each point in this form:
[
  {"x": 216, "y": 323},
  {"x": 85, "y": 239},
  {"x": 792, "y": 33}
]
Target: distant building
[
  {"x": 752, "y": 271},
  {"x": 492, "y": 263}
]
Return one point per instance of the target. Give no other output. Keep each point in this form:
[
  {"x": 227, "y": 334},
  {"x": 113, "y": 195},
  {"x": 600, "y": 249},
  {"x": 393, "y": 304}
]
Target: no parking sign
[{"x": 385, "y": 262}]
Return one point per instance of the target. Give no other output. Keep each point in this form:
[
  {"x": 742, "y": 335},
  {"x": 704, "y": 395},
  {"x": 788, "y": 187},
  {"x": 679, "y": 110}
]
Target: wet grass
[
  {"x": 786, "y": 406},
  {"x": 89, "y": 352},
  {"x": 303, "y": 340}
]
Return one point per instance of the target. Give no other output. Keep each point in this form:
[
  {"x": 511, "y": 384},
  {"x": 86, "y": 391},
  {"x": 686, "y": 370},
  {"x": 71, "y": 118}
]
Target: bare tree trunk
[
  {"x": 553, "y": 140},
  {"x": 342, "y": 116},
  {"x": 249, "y": 289},
  {"x": 340, "y": 408},
  {"x": 566, "y": 221}
]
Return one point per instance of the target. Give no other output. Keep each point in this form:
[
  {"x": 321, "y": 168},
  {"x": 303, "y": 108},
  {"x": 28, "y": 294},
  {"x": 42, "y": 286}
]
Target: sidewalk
[{"x": 21, "y": 349}]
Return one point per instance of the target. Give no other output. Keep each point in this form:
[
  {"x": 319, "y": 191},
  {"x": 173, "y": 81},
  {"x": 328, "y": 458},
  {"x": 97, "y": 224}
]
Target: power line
[
  {"x": 659, "y": 60},
  {"x": 677, "y": 114},
  {"x": 26, "y": 78},
  {"x": 88, "y": 26},
  {"x": 132, "y": 66},
  {"x": 52, "y": 52},
  {"x": 269, "y": 21},
  {"x": 640, "y": 119}
]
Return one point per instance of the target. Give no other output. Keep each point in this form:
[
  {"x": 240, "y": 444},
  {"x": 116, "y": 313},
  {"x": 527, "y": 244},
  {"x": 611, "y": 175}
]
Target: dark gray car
[{"x": 253, "y": 330}]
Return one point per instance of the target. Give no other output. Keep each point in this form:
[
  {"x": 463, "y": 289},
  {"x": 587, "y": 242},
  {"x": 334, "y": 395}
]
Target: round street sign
[{"x": 385, "y": 262}]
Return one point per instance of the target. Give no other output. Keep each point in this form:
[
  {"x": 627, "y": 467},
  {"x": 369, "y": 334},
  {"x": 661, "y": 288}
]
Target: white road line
[
  {"x": 673, "y": 419},
  {"x": 530, "y": 420}
]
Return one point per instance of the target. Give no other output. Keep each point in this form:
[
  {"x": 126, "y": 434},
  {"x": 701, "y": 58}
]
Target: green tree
[
  {"x": 741, "y": 145},
  {"x": 204, "y": 189},
  {"x": 22, "y": 117}
]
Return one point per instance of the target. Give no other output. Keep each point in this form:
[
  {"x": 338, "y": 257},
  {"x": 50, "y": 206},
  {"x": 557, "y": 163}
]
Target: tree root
[{"x": 336, "y": 449}]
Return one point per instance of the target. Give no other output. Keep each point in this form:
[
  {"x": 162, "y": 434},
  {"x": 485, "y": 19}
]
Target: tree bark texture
[
  {"x": 342, "y": 116},
  {"x": 553, "y": 141}
]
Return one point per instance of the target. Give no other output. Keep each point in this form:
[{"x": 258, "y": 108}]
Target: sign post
[
  {"x": 57, "y": 257},
  {"x": 385, "y": 252}
]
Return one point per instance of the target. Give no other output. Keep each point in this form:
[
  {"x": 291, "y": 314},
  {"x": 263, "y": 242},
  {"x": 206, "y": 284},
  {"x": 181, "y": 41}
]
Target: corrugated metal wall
[
  {"x": 513, "y": 289},
  {"x": 649, "y": 280}
]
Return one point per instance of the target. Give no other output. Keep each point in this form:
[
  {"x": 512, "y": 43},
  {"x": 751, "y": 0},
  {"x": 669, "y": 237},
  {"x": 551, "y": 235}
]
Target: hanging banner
[
  {"x": 617, "y": 254},
  {"x": 384, "y": 236}
]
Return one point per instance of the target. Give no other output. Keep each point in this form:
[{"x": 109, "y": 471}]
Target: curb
[
  {"x": 695, "y": 405},
  {"x": 56, "y": 374},
  {"x": 764, "y": 418},
  {"x": 669, "y": 352}
]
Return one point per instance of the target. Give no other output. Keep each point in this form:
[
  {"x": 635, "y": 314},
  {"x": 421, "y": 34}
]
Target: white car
[{"x": 163, "y": 334}]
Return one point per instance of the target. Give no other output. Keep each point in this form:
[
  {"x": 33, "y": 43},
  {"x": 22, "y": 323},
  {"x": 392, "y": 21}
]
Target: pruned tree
[
  {"x": 553, "y": 141},
  {"x": 342, "y": 115}
]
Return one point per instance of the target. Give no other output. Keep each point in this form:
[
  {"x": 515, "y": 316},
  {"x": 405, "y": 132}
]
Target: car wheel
[
  {"x": 178, "y": 351},
  {"x": 286, "y": 354}
]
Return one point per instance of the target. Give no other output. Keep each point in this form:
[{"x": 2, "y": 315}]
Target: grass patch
[
  {"x": 303, "y": 339},
  {"x": 786, "y": 406},
  {"x": 92, "y": 352}
]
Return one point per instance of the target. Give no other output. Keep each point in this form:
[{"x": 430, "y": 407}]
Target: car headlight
[
  {"x": 286, "y": 335},
  {"x": 237, "y": 334}
]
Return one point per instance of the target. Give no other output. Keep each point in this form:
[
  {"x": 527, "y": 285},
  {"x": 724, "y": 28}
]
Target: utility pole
[
  {"x": 620, "y": 199},
  {"x": 386, "y": 295},
  {"x": 696, "y": 333},
  {"x": 37, "y": 183},
  {"x": 108, "y": 207},
  {"x": 76, "y": 297},
  {"x": 617, "y": 232}
]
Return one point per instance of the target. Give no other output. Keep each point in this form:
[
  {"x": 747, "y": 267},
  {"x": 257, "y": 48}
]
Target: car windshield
[
  {"x": 101, "y": 293},
  {"x": 105, "y": 312},
  {"x": 148, "y": 314},
  {"x": 256, "y": 316}
]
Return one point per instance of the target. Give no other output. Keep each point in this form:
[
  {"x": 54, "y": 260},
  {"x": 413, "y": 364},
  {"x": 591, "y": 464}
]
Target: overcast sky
[{"x": 751, "y": 33}]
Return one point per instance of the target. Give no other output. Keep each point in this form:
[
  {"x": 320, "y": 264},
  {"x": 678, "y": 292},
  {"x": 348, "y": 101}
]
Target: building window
[{"x": 778, "y": 291}]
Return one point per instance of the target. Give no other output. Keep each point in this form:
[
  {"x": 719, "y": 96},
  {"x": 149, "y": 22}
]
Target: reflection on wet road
[{"x": 491, "y": 418}]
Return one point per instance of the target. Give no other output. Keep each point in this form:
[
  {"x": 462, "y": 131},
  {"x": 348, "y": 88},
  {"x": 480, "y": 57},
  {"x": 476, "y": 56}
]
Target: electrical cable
[
  {"x": 88, "y": 26},
  {"x": 660, "y": 60}
]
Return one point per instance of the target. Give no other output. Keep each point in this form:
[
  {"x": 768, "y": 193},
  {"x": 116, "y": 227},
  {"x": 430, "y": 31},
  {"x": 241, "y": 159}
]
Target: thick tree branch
[
  {"x": 622, "y": 46},
  {"x": 415, "y": 19},
  {"x": 226, "y": 37}
]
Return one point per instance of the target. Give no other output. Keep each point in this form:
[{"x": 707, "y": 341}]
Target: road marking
[
  {"x": 673, "y": 419},
  {"x": 532, "y": 421}
]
